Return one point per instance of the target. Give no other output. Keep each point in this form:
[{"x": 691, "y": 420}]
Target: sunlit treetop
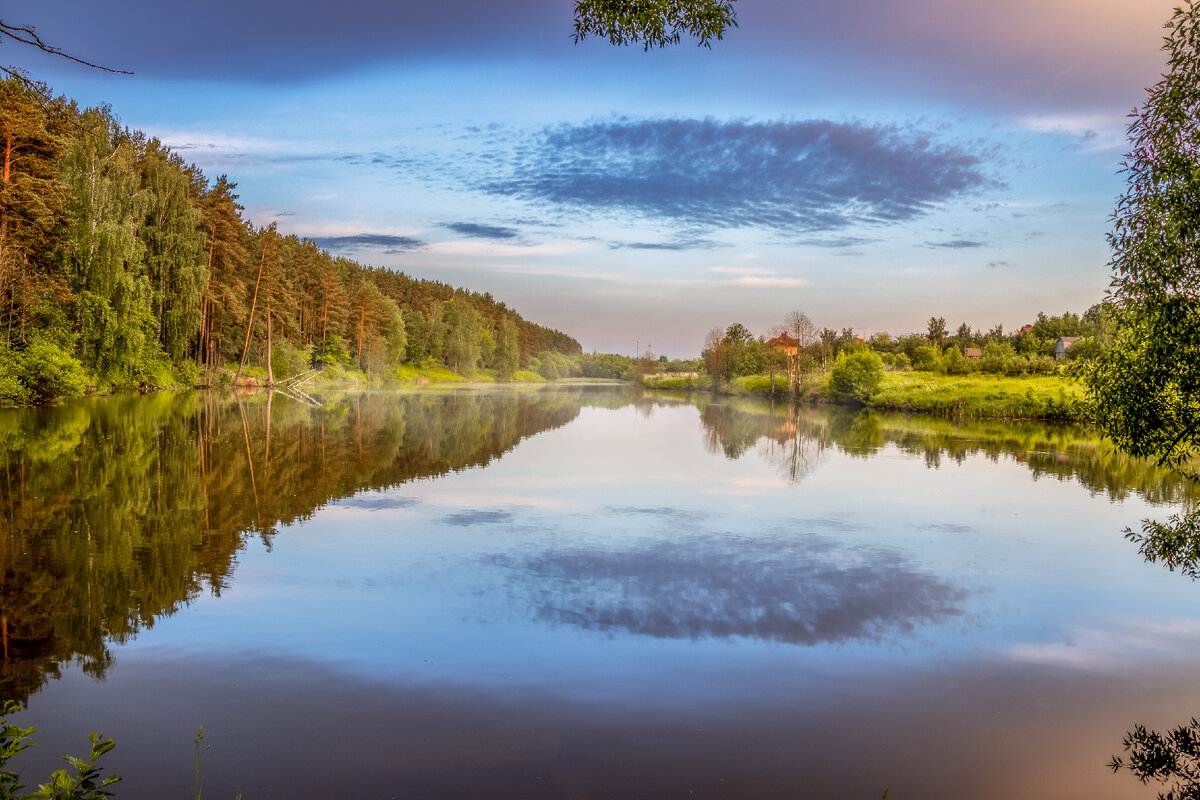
[{"x": 653, "y": 23}]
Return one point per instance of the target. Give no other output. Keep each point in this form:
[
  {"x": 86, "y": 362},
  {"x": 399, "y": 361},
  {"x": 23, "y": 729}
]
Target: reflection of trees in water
[
  {"x": 802, "y": 591},
  {"x": 782, "y": 436},
  {"x": 796, "y": 446},
  {"x": 116, "y": 511},
  {"x": 794, "y": 438}
]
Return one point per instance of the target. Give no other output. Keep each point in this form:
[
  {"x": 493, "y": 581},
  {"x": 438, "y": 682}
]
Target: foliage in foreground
[
  {"x": 1174, "y": 543},
  {"x": 1172, "y": 758},
  {"x": 86, "y": 784},
  {"x": 653, "y": 23},
  {"x": 1146, "y": 387}
]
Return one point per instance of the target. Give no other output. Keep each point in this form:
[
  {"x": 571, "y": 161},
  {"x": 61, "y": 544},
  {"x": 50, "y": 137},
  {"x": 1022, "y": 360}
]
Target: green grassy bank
[
  {"x": 978, "y": 395},
  {"x": 983, "y": 396}
]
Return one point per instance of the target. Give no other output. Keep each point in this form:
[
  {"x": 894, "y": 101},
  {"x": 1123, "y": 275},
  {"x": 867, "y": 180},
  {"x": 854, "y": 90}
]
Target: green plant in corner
[
  {"x": 13, "y": 739},
  {"x": 86, "y": 784}
]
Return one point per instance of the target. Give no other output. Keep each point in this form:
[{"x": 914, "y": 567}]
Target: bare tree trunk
[
  {"x": 204, "y": 301},
  {"x": 362, "y": 318},
  {"x": 270, "y": 371},
  {"x": 253, "y": 302},
  {"x": 7, "y": 178}
]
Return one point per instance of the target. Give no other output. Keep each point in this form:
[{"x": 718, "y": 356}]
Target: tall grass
[{"x": 979, "y": 395}]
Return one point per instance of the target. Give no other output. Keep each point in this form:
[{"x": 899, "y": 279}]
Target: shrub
[
  {"x": 288, "y": 360},
  {"x": 996, "y": 357},
  {"x": 186, "y": 373},
  {"x": 49, "y": 372},
  {"x": 329, "y": 352},
  {"x": 12, "y": 390},
  {"x": 1085, "y": 350},
  {"x": 928, "y": 359},
  {"x": 1042, "y": 365},
  {"x": 855, "y": 377},
  {"x": 956, "y": 363}
]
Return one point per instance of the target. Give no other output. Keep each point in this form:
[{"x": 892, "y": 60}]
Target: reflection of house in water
[{"x": 1062, "y": 345}]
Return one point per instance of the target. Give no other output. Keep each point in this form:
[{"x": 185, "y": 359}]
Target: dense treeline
[
  {"x": 121, "y": 264},
  {"x": 798, "y": 349}
]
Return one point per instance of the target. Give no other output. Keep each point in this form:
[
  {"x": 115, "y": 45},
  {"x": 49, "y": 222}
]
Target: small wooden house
[
  {"x": 972, "y": 352},
  {"x": 784, "y": 343},
  {"x": 1062, "y": 345}
]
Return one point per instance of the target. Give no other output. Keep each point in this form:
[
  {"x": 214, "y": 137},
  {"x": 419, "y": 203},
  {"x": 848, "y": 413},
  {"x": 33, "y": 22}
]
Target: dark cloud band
[
  {"x": 392, "y": 244},
  {"x": 796, "y": 177},
  {"x": 479, "y": 231}
]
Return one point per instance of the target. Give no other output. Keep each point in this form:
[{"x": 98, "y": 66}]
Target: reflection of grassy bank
[
  {"x": 985, "y": 396},
  {"x": 1060, "y": 450}
]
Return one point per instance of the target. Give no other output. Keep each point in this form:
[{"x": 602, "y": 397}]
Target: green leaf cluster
[
  {"x": 88, "y": 782},
  {"x": 1145, "y": 388},
  {"x": 654, "y": 23}
]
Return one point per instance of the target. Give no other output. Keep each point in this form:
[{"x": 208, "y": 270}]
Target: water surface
[{"x": 583, "y": 592}]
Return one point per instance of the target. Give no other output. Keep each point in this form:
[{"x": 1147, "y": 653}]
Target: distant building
[
  {"x": 1026, "y": 329},
  {"x": 784, "y": 343},
  {"x": 972, "y": 352},
  {"x": 1062, "y": 345}
]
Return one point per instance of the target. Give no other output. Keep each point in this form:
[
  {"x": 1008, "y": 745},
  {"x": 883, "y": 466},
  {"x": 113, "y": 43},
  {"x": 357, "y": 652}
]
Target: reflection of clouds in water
[
  {"x": 947, "y": 527},
  {"x": 828, "y": 524},
  {"x": 1111, "y": 649},
  {"x": 465, "y": 518},
  {"x": 806, "y": 591},
  {"x": 671, "y": 513}
]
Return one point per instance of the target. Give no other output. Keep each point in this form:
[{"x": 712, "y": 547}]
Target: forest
[{"x": 122, "y": 265}]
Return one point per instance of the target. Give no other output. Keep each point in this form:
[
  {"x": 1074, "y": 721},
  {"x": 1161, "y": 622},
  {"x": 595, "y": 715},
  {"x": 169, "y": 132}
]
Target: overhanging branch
[{"x": 25, "y": 34}]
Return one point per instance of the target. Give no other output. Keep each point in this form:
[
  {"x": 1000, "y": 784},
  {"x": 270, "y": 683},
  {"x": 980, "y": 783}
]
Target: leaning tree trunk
[{"x": 250, "y": 321}]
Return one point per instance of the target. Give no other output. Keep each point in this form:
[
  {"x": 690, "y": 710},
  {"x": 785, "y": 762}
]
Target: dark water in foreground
[{"x": 582, "y": 592}]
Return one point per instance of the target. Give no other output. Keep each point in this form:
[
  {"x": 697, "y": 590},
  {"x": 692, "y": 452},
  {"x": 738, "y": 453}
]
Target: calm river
[{"x": 582, "y": 592}]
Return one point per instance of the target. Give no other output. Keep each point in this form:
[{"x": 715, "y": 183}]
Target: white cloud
[
  {"x": 726, "y": 270},
  {"x": 761, "y": 281},
  {"x": 1094, "y": 132}
]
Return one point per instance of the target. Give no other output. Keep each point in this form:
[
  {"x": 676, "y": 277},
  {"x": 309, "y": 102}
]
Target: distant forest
[{"x": 117, "y": 254}]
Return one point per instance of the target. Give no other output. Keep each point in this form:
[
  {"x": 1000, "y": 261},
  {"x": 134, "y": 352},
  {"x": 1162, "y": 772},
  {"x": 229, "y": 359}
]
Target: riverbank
[{"x": 1044, "y": 397}]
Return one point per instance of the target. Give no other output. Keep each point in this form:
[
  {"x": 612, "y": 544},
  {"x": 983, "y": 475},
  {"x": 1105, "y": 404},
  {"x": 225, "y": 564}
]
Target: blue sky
[{"x": 870, "y": 162}]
